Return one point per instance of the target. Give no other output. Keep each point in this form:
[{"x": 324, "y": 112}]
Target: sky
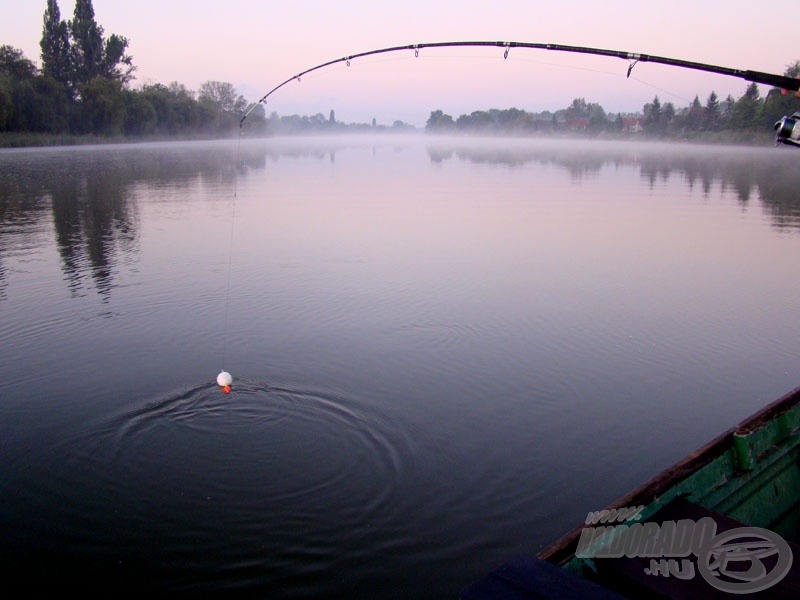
[{"x": 257, "y": 44}]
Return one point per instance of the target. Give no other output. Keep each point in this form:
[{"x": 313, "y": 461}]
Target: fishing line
[
  {"x": 224, "y": 378},
  {"x": 660, "y": 89},
  {"x": 788, "y": 128}
]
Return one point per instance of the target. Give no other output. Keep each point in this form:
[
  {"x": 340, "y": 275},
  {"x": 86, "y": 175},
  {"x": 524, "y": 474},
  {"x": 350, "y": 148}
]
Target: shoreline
[{"x": 21, "y": 140}]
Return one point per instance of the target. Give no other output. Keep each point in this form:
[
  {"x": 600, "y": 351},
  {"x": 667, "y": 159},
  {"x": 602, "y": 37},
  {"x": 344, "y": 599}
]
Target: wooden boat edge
[{"x": 563, "y": 549}]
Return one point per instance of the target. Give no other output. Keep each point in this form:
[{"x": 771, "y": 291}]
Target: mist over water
[{"x": 445, "y": 351}]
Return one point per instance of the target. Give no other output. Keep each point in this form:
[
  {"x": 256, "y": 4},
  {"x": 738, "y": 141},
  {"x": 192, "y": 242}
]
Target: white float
[{"x": 224, "y": 379}]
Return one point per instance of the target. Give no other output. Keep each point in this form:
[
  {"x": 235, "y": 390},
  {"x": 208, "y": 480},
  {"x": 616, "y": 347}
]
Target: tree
[
  {"x": 102, "y": 106},
  {"x": 746, "y": 109},
  {"x": 55, "y": 83},
  {"x": 478, "y": 120},
  {"x": 23, "y": 98},
  {"x": 256, "y": 123},
  {"x": 87, "y": 43},
  {"x": 114, "y": 58},
  {"x": 712, "y": 114},
  {"x": 29, "y": 101},
  {"x": 91, "y": 55},
  {"x": 598, "y": 120},
  {"x": 653, "y": 117},
  {"x": 222, "y": 96},
  {"x": 579, "y": 109},
  {"x": 52, "y": 105},
  {"x": 222, "y": 106},
  {"x": 140, "y": 116},
  {"x": 185, "y": 108},
  {"x": 667, "y": 114},
  {"x": 55, "y": 45},
  {"x": 14, "y": 64},
  {"x": 727, "y": 111},
  {"x": 6, "y": 102},
  {"x": 175, "y": 108},
  {"x": 513, "y": 119},
  {"x": 694, "y": 116},
  {"x": 439, "y": 121}
]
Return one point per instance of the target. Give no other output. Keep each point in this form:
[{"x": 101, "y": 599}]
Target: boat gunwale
[{"x": 563, "y": 550}]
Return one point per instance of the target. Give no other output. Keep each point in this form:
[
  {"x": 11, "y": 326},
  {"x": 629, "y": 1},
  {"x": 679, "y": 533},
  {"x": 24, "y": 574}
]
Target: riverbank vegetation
[
  {"x": 727, "y": 120},
  {"x": 82, "y": 93},
  {"x": 82, "y": 90}
]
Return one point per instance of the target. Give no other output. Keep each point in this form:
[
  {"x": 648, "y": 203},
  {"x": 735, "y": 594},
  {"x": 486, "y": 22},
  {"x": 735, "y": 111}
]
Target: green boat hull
[{"x": 746, "y": 478}]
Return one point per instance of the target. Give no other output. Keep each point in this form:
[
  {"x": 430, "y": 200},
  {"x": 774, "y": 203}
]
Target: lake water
[{"x": 445, "y": 353}]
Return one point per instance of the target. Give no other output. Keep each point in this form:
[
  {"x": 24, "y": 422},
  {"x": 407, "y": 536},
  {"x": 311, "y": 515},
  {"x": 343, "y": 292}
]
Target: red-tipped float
[{"x": 224, "y": 380}]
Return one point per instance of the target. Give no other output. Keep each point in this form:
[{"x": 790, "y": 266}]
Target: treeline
[
  {"x": 319, "y": 123},
  {"x": 748, "y": 113},
  {"x": 82, "y": 88}
]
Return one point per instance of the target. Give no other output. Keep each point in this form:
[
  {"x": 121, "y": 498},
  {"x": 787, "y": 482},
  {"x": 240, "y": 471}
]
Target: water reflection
[
  {"x": 95, "y": 225},
  {"x": 89, "y": 196},
  {"x": 769, "y": 174}
]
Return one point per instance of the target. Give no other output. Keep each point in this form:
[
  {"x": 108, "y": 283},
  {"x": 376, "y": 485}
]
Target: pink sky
[{"x": 256, "y": 44}]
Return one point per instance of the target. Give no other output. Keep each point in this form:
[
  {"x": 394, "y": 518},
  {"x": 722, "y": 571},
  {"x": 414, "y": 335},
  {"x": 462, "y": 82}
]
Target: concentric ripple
[{"x": 248, "y": 485}]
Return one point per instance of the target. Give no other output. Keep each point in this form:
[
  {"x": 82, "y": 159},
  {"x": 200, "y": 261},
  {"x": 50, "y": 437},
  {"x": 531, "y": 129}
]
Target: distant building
[{"x": 632, "y": 124}]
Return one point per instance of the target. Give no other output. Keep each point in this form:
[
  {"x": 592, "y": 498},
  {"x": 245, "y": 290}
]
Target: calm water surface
[{"x": 444, "y": 354}]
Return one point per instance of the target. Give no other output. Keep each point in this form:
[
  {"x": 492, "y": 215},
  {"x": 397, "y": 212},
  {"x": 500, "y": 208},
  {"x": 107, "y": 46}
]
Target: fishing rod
[{"x": 787, "y": 129}]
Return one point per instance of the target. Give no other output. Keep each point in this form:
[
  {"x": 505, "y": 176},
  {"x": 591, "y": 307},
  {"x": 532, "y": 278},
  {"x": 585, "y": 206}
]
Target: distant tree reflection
[
  {"x": 88, "y": 197},
  {"x": 770, "y": 175},
  {"x": 92, "y": 195},
  {"x": 95, "y": 226}
]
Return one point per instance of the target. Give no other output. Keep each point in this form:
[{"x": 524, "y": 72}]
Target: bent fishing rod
[{"x": 787, "y": 128}]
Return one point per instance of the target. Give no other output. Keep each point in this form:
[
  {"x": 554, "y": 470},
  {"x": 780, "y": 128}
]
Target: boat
[{"x": 724, "y": 520}]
